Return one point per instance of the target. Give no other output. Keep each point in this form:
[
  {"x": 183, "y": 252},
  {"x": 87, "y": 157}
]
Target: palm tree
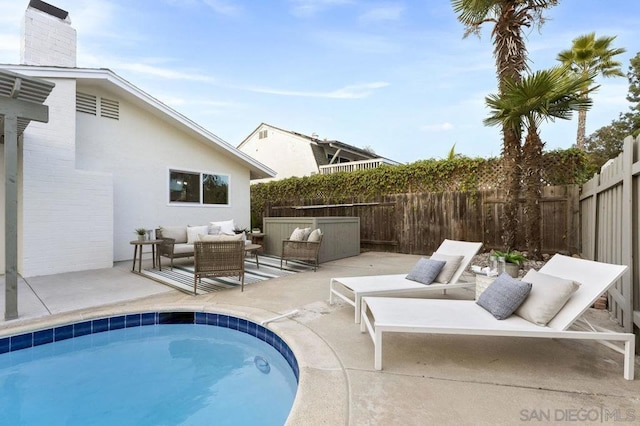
[
  {"x": 590, "y": 54},
  {"x": 543, "y": 96},
  {"x": 508, "y": 17}
]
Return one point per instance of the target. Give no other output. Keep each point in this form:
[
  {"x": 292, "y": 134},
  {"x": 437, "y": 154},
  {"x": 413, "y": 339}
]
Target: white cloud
[
  {"x": 441, "y": 127},
  {"x": 383, "y": 13},
  {"x": 223, "y": 7},
  {"x": 306, "y": 8},
  {"x": 166, "y": 73},
  {"x": 355, "y": 91}
]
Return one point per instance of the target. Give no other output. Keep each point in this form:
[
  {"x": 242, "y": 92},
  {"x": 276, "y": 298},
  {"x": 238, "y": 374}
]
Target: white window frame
[{"x": 200, "y": 173}]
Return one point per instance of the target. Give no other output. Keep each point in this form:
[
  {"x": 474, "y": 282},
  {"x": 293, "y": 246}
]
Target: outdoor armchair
[
  {"x": 306, "y": 251},
  {"x": 218, "y": 259}
]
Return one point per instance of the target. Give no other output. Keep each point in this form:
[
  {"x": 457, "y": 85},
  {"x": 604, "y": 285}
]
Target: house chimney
[{"x": 47, "y": 36}]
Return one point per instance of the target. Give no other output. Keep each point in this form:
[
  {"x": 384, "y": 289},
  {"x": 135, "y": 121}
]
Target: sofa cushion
[
  {"x": 214, "y": 238},
  {"x": 194, "y": 231},
  {"x": 178, "y": 233},
  {"x": 183, "y": 248}
]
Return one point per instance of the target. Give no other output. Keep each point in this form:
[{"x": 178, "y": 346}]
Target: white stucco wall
[
  {"x": 138, "y": 150},
  {"x": 283, "y": 152},
  {"x": 66, "y": 214}
]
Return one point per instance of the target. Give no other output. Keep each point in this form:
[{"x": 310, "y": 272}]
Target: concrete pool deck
[{"x": 426, "y": 378}]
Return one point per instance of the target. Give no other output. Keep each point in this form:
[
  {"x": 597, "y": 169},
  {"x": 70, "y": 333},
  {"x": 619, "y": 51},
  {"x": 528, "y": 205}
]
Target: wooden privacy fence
[
  {"x": 416, "y": 223},
  {"x": 610, "y": 229}
]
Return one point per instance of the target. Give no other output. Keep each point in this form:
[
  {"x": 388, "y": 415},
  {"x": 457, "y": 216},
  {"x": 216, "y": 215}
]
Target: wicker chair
[
  {"x": 218, "y": 259},
  {"x": 306, "y": 251},
  {"x": 167, "y": 247}
]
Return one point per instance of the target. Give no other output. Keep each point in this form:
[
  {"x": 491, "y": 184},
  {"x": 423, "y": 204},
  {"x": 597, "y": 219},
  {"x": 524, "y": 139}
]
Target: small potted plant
[
  {"x": 142, "y": 233},
  {"x": 240, "y": 230},
  {"x": 513, "y": 260}
]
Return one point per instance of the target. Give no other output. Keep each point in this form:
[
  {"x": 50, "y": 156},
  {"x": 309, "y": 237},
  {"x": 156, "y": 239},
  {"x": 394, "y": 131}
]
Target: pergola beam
[{"x": 21, "y": 99}]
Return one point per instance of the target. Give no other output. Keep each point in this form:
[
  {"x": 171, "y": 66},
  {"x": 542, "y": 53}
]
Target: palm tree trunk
[
  {"x": 582, "y": 126},
  {"x": 532, "y": 155},
  {"x": 511, "y": 157}
]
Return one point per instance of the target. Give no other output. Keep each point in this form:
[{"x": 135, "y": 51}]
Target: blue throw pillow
[
  {"x": 426, "y": 270},
  {"x": 504, "y": 296}
]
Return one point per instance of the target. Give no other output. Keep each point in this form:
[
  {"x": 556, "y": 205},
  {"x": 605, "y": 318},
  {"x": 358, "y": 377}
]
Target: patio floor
[{"x": 426, "y": 378}]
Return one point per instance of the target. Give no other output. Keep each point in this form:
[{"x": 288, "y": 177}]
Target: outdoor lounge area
[{"x": 459, "y": 379}]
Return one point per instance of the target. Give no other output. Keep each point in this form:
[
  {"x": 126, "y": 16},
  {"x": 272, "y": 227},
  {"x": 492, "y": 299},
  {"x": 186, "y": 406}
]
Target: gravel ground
[{"x": 483, "y": 261}]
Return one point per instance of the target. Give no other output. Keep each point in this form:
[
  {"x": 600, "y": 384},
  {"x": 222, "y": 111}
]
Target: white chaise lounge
[
  {"x": 438, "y": 316},
  {"x": 352, "y": 289}
]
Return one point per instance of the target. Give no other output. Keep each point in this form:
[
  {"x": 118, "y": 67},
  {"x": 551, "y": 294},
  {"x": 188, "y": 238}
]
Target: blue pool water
[{"x": 160, "y": 374}]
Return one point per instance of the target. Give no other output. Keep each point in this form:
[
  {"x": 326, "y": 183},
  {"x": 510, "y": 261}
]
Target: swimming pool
[{"x": 148, "y": 368}]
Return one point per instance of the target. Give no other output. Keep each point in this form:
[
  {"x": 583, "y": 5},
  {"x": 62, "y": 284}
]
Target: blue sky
[{"x": 396, "y": 76}]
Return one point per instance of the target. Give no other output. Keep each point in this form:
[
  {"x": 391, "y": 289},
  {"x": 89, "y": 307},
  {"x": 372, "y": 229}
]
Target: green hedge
[{"x": 464, "y": 174}]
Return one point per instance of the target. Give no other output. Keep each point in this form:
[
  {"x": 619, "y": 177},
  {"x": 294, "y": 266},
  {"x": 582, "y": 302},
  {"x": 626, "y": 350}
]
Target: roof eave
[{"x": 257, "y": 169}]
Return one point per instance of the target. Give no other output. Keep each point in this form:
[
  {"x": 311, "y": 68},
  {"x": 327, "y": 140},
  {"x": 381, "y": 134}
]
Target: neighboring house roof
[
  {"x": 107, "y": 80},
  {"x": 317, "y": 144}
]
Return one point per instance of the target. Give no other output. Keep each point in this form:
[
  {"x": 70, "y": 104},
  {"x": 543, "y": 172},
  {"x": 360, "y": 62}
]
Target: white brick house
[{"x": 111, "y": 159}]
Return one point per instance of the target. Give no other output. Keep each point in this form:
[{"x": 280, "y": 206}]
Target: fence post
[{"x": 627, "y": 234}]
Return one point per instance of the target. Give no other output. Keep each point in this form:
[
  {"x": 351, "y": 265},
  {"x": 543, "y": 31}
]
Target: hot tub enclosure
[{"x": 341, "y": 234}]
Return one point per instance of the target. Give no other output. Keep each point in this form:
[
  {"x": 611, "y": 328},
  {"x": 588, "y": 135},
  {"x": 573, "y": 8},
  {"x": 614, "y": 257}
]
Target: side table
[
  {"x": 482, "y": 282},
  {"x": 253, "y": 249},
  {"x": 137, "y": 247},
  {"x": 257, "y": 238}
]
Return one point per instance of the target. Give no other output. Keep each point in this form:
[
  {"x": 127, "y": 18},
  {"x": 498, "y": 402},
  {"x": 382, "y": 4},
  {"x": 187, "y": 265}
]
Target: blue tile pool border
[{"x": 99, "y": 325}]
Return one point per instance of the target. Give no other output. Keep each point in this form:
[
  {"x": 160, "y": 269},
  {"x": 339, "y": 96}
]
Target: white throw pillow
[
  {"x": 194, "y": 231},
  {"x": 548, "y": 295},
  {"x": 297, "y": 235},
  {"x": 315, "y": 235},
  {"x": 214, "y": 229},
  {"x": 450, "y": 268},
  {"x": 226, "y": 227}
]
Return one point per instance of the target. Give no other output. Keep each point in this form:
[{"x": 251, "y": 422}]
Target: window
[
  {"x": 198, "y": 188},
  {"x": 262, "y": 134}
]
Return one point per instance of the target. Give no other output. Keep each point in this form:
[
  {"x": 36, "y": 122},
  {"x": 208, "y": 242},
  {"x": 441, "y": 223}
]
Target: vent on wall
[
  {"x": 109, "y": 108},
  {"x": 86, "y": 103}
]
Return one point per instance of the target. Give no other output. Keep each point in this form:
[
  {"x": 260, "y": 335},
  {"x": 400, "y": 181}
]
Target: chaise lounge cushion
[
  {"x": 504, "y": 296},
  {"x": 426, "y": 270},
  {"x": 548, "y": 295},
  {"x": 450, "y": 268}
]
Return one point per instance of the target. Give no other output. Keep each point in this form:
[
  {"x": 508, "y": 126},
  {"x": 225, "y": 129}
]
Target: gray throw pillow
[
  {"x": 426, "y": 270},
  {"x": 504, "y": 296}
]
